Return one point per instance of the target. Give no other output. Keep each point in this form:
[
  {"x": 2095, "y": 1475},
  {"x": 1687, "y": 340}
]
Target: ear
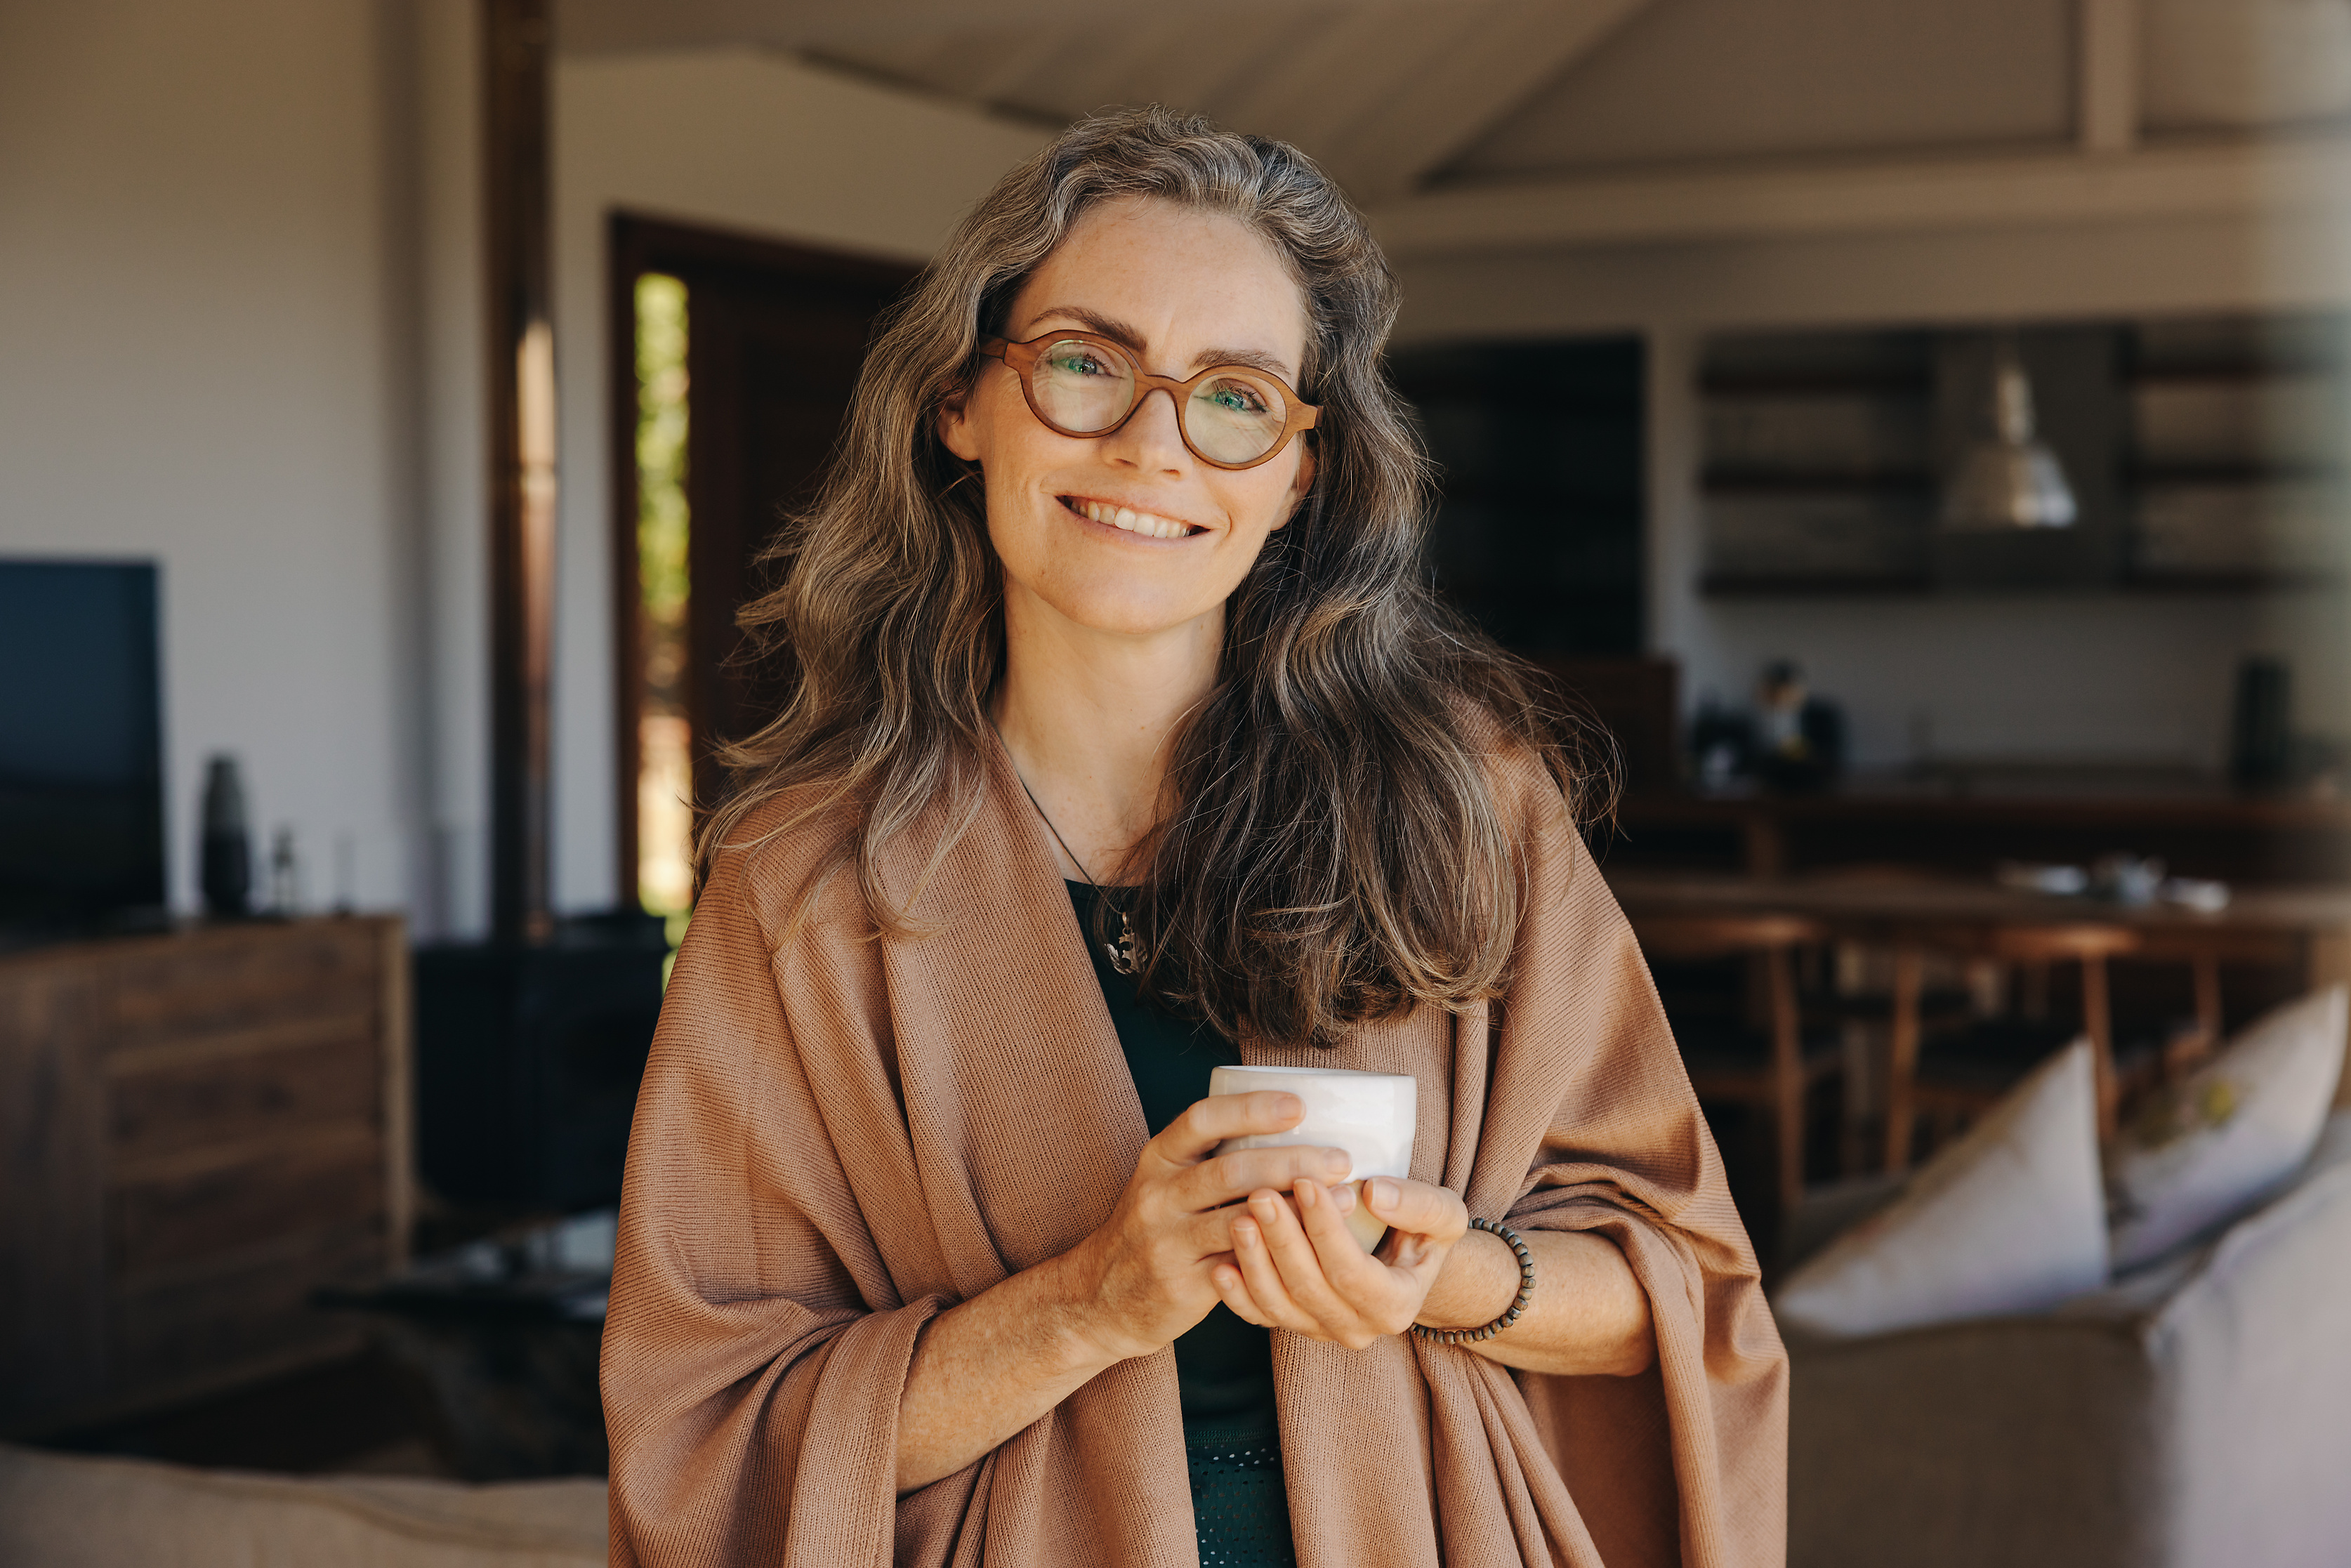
[
  {"x": 955, "y": 430},
  {"x": 1302, "y": 484}
]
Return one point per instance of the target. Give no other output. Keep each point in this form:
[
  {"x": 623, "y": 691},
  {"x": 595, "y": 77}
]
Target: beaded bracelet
[{"x": 1526, "y": 1292}]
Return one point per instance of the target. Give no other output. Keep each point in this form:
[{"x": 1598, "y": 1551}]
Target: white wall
[
  {"x": 207, "y": 358},
  {"x": 453, "y": 457},
  {"x": 734, "y": 139},
  {"x": 241, "y": 334},
  {"x": 2073, "y": 677}
]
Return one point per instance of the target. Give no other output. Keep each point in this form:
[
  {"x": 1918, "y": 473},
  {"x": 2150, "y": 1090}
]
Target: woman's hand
[
  {"x": 1297, "y": 1268},
  {"x": 1147, "y": 1275}
]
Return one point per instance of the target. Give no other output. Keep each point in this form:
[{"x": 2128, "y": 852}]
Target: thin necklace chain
[{"x": 1121, "y": 952}]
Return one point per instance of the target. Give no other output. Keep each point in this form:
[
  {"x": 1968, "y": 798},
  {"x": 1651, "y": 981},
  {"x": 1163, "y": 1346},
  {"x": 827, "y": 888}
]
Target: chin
[{"x": 1126, "y": 615}]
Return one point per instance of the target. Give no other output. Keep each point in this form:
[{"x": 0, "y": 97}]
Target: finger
[
  {"x": 1234, "y": 1291},
  {"x": 1207, "y": 1122},
  {"x": 1302, "y": 1263},
  {"x": 1417, "y": 1207},
  {"x": 1228, "y": 1177},
  {"x": 1263, "y": 1280},
  {"x": 1359, "y": 1281}
]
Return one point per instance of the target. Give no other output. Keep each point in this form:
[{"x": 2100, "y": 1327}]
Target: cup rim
[{"x": 1310, "y": 1072}]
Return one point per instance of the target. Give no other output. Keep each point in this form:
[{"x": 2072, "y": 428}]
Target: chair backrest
[
  {"x": 2051, "y": 943},
  {"x": 1724, "y": 935}
]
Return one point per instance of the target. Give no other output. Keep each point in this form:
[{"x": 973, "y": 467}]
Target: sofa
[
  {"x": 2195, "y": 1414},
  {"x": 59, "y": 1511}
]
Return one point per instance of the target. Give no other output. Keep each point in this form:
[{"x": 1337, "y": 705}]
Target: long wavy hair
[{"x": 1330, "y": 846}]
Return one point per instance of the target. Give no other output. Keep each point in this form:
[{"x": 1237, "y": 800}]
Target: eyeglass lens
[{"x": 1232, "y": 416}]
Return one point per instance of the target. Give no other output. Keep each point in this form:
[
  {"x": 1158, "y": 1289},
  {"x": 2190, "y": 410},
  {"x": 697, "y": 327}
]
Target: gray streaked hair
[{"x": 1331, "y": 846}]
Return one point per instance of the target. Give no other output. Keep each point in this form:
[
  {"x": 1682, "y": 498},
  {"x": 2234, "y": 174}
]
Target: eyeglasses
[{"x": 1230, "y": 416}]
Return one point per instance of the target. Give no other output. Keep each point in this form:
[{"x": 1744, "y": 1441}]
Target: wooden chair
[
  {"x": 2204, "y": 950},
  {"x": 2033, "y": 951},
  {"x": 1776, "y": 1079}
]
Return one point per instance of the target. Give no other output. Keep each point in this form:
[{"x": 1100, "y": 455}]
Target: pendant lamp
[{"x": 2008, "y": 479}]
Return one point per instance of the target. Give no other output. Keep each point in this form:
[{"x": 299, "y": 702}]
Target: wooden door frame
[
  {"x": 636, "y": 244},
  {"x": 518, "y": 308}
]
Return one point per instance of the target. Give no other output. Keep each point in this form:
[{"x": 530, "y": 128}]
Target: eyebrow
[{"x": 1126, "y": 336}]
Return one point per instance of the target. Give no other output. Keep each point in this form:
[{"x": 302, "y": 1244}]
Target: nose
[{"x": 1153, "y": 436}]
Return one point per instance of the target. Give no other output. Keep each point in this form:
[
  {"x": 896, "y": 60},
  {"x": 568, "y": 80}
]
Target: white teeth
[{"x": 1132, "y": 521}]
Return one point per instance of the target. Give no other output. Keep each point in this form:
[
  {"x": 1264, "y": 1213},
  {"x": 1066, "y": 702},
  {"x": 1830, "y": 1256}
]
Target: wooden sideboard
[{"x": 197, "y": 1130}]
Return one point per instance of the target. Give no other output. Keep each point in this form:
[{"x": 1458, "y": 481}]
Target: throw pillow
[
  {"x": 2009, "y": 1219},
  {"x": 2217, "y": 1142}
]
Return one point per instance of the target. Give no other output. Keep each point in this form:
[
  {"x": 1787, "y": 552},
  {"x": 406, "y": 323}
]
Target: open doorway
[{"x": 733, "y": 360}]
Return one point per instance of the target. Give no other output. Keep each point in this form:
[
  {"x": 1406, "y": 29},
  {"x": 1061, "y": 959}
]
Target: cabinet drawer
[
  {"x": 234, "y": 980},
  {"x": 261, "y": 1308},
  {"x": 217, "y": 1209},
  {"x": 326, "y": 1073}
]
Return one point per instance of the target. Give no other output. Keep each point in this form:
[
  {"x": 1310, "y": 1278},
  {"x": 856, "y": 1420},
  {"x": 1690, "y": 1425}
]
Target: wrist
[
  {"x": 1477, "y": 1285},
  {"x": 1091, "y": 1336}
]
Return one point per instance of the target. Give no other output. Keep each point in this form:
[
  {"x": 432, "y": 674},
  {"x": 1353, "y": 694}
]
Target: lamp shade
[{"x": 2010, "y": 479}]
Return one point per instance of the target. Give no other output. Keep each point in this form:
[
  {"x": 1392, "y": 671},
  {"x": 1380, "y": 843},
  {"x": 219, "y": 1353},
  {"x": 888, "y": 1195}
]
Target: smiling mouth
[{"x": 1126, "y": 519}]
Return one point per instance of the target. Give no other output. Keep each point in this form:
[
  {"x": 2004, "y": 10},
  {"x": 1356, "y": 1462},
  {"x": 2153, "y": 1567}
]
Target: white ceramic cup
[{"x": 1369, "y": 1114}]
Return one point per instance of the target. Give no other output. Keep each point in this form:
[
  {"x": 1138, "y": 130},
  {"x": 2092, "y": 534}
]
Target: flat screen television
[{"x": 81, "y": 745}]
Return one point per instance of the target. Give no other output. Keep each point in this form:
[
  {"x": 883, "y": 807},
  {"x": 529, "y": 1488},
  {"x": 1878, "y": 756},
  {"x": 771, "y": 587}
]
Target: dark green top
[{"x": 1223, "y": 1366}]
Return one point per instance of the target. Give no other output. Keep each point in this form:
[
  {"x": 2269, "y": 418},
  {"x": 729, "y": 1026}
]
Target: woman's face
[{"x": 1183, "y": 290}]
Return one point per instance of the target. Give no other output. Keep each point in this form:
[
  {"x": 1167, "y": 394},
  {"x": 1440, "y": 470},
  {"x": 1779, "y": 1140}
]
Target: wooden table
[{"x": 2275, "y": 924}]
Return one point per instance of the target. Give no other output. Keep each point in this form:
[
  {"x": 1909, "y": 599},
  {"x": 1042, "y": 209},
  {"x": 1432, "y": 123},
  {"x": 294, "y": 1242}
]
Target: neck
[{"x": 1088, "y": 715}]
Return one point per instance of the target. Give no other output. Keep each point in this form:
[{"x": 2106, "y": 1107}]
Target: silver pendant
[{"x": 1123, "y": 954}]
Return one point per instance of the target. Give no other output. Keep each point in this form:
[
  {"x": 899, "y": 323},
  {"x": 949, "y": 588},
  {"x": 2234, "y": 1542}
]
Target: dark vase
[
  {"x": 224, "y": 873},
  {"x": 2260, "y": 754}
]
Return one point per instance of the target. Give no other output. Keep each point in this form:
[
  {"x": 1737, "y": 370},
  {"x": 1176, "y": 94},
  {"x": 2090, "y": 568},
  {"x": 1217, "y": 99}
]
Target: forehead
[{"x": 1181, "y": 276}]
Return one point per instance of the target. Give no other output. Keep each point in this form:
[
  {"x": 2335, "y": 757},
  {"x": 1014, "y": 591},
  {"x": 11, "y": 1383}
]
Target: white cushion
[
  {"x": 2223, "y": 1138},
  {"x": 2010, "y": 1218}
]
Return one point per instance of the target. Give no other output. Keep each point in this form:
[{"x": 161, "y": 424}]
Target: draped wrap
[{"x": 841, "y": 1134}]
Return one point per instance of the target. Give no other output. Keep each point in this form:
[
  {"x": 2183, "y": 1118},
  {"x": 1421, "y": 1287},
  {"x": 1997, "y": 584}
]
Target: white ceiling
[
  {"x": 1401, "y": 97},
  {"x": 1701, "y": 81}
]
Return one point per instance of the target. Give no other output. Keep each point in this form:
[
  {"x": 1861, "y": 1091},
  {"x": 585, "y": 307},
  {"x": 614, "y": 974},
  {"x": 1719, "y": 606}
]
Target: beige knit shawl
[{"x": 841, "y": 1136}]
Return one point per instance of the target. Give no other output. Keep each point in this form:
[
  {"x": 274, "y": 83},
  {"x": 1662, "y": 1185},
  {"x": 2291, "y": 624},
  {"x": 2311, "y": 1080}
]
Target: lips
[{"x": 1126, "y": 519}]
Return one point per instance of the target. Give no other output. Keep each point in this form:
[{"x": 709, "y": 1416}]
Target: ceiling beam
[
  {"x": 1505, "y": 52},
  {"x": 2107, "y": 97},
  {"x": 2241, "y": 180},
  {"x": 1334, "y": 71}
]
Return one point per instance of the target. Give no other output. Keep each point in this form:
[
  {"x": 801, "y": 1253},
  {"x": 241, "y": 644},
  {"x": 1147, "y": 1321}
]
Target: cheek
[
  {"x": 992, "y": 425},
  {"x": 1264, "y": 506}
]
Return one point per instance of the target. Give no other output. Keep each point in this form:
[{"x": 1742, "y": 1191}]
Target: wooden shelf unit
[
  {"x": 2209, "y": 455},
  {"x": 200, "y": 1129}
]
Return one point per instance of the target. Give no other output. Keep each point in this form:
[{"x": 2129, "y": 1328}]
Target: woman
[{"x": 923, "y": 1255}]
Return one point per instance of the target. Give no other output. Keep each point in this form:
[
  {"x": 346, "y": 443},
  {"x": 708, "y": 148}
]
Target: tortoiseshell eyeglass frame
[{"x": 1022, "y": 359}]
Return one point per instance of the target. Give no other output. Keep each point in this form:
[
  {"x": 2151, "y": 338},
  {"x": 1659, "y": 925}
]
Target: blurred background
[{"x": 1916, "y": 431}]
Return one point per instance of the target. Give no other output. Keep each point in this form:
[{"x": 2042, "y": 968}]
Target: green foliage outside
[{"x": 661, "y": 472}]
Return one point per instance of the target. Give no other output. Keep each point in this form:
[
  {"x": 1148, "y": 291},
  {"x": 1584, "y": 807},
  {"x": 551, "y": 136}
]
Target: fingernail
[
  {"x": 1384, "y": 1193},
  {"x": 1306, "y": 1194},
  {"x": 1343, "y": 1198},
  {"x": 1288, "y": 1105},
  {"x": 1244, "y": 1233},
  {"x": 1338, "y": 1164}
]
